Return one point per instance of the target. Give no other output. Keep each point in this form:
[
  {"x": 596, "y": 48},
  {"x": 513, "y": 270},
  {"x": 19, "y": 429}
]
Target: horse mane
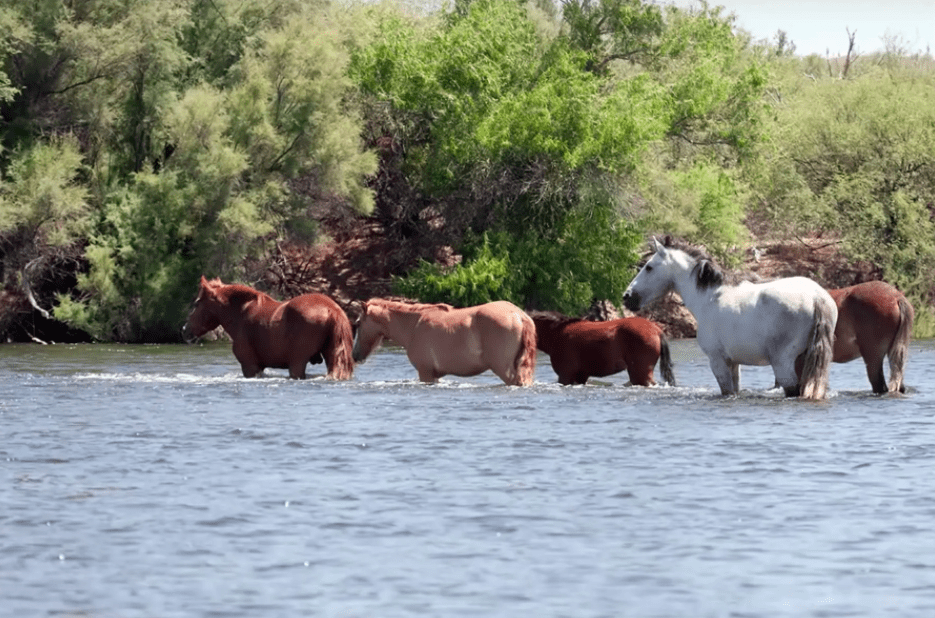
[
  {"x": 554, "y": 318},
  {"x": 238, "y": 293},
  {"x": 706, "y": 271},
  {"x": 410, "y": 307}
]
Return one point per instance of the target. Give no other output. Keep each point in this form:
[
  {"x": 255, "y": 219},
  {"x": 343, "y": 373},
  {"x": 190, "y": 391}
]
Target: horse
[
  {"x": 441, "y": 340},
  {"x": 580, "y": 349},
  {"x": 786, "y": 323},
  {"x": 874, "y": 320},
  {"x": 268, "y": 333}
]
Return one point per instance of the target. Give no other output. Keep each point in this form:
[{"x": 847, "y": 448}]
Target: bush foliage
[{"x": 169, "y": 138}]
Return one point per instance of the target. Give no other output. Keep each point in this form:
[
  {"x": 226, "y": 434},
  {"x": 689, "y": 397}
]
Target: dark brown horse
[
  {"x": 874, "y": 320},
  {"x": 268, "y": 333},
  {"x": 580, "y": 349}
]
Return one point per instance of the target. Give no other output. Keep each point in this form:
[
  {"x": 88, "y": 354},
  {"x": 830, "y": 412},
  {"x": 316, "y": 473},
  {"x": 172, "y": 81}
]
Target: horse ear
[
  {"x": 356, "y": 310},
  {"x": 209, "y": 286},
  {"x": 658, "y": 247}
]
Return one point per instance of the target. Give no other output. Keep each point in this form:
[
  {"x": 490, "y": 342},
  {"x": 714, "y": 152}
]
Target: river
[{"x": 154, "y": 481}]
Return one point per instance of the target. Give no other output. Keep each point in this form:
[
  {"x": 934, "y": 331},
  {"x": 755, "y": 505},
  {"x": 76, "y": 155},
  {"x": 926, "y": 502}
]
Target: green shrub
[
  {"x": 484, "y": 278},
  {"x": 590, "y": 258}
]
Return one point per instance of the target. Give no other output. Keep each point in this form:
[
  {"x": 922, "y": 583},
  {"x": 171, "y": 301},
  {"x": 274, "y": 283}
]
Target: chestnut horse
[
  {"x": 441, "y": 340},
  {"x": 874, "y": 320},
  {"x": 268, "y": 333},
  {"x": 580, "y": 349}
]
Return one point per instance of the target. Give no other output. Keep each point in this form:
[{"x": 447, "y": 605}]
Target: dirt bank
[{"x": 359, "y": 262}]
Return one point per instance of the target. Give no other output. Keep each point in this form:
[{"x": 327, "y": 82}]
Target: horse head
[
  {"x": 370, "y": 332},
  {"x": 655, "y": 278},
  {"x": 203, "y": 317}
]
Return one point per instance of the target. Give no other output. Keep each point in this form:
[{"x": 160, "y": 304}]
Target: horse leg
[
  {"x": 726, "y": 374},
  {"x": 249, "y": 364},
  {"x": 640, "y": 376},
  {"x": 899, "y": 347},
  {"x": 873, "y": 351},
  {"x": 297, "y": 369},
  {"x": 427, "y": 375},
  {"x": 563, "y": 369},
  {"x": 874, "y": 364},
  {"x": 788, "y": 372},
  {"x": 640, "y": 369},
  {"x": 787, "y": 376},
  {"x": 509, "y": 377},
  {"x": 897, "y": 368}
]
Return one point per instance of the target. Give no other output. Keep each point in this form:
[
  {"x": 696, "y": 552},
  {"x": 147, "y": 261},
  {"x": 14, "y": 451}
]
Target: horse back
[
  {"x": 276, "y": 329},
  {"x": 493, "y": 316},
  {"x": 469, "y": 340},
  {"x": 870, "y": 315},
  {"x": 623, "y": 331},
  {"x": 751, "y": 319},
  {"x": 311, "y": 315},
  {"x": 874, "y": 300}
]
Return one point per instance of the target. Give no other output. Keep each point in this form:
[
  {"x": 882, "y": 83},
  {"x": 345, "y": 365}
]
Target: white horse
[{"x": 787, "y": 323}]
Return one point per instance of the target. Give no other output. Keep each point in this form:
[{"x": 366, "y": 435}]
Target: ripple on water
[{"x": 170, "y": 485}]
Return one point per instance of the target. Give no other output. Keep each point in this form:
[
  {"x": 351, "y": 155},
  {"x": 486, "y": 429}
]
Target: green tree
[
  {"x": 611, "y": 30},
  {"x": 587, "y": 258},
  {"x": 220, "y": 188},
  {"x": 42, "y": 204},
  {"x": 855, "y": 159},
  {"x": 15, "y": 33},
  {"x": 521, "y": 145}
]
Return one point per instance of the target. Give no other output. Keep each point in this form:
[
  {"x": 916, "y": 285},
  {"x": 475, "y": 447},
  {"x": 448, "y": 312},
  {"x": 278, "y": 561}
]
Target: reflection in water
[{"x": 155, "y": 481}]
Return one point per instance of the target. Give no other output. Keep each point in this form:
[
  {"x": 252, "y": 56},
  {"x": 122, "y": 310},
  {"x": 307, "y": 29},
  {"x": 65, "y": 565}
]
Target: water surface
[{"x": 154, "y": 481}]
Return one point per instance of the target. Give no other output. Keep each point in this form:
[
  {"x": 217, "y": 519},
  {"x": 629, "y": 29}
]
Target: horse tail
[
  {"x": 899, "y": 349},
  {"x": 665, "y": 361},
  {"x": 340, "y": 347},
  {"x": 813, "y": 383},
  {"x": 525, "y": 363}
]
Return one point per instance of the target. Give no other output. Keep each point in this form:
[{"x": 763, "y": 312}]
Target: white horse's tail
[
  {"x": 813, "y": 383},
  {"x": 899, "y": 349}
]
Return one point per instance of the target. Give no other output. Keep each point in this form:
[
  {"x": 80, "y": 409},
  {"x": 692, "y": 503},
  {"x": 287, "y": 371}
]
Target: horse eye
[{"x": 648, "y": 268}]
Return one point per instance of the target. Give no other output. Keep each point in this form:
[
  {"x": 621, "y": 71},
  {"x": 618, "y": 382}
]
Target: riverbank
[
  {"x": 355, "y": 260},
  {"x": 359, "y": 263}
]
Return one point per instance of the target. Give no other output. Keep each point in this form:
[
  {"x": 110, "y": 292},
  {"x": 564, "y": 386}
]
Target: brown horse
[
  {"x": 874, "y": 320},
  {"x": 441, "y": 340},
  {"x": 580, "y": 349},
  {"x": 268, "y": 333}
]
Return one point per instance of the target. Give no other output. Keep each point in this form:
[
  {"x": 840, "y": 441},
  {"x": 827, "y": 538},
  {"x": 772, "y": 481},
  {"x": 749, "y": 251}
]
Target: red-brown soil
[
  {"x": 357, "y": 260},
  {"x": 358, "y": 263}
]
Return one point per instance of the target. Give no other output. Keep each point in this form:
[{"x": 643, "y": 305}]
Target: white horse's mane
[{"x": 706, "y": 271}]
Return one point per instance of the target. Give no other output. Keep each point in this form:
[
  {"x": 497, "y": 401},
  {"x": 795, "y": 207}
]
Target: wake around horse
[
  {"x": 786, "y": 323},
  {"x": 874, "y": 321},
  {"x": 268, "y": 333},
  {"x": 580, "y": 349},
  {"x": 441, "y": 340}
]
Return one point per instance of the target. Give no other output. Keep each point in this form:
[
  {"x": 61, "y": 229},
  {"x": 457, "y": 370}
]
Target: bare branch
[{"x": 851, "y": 56}]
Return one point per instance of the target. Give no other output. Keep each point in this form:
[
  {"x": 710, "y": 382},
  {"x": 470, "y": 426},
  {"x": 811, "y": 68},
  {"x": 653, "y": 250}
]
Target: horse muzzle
[
  {"x": 187, "y": 335},
  {"x": 631, "y": 300}
]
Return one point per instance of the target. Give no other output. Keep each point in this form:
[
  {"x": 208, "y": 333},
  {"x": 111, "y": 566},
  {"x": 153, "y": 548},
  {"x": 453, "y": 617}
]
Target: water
[{"x": 156, "y": 482}]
